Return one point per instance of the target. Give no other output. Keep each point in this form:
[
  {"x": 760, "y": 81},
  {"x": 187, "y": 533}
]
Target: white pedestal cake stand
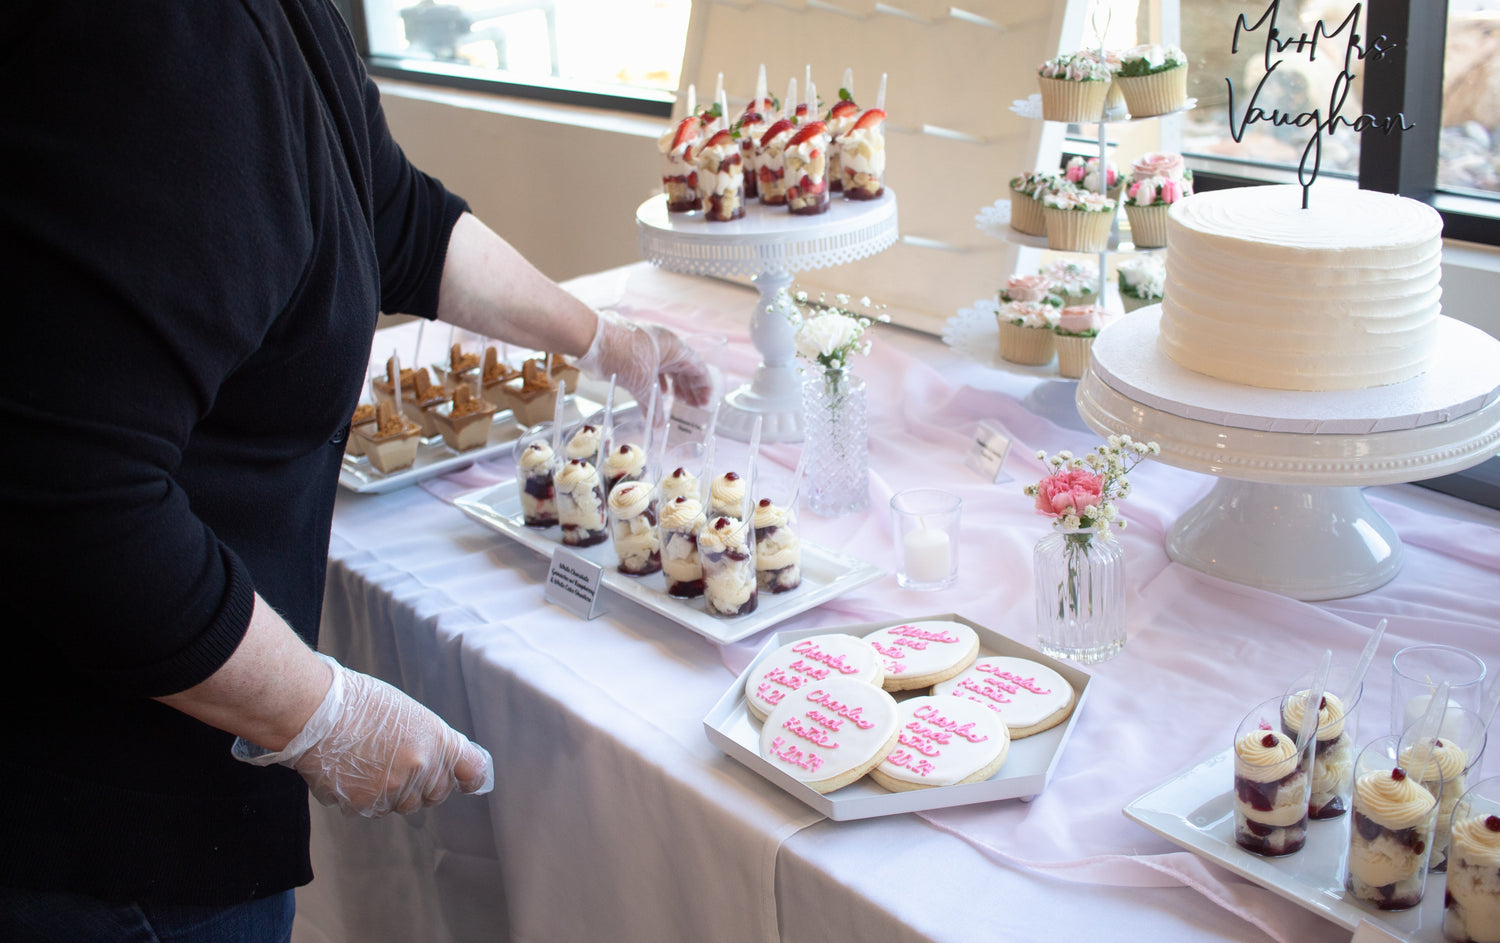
[
  {"x": 769, "y": 245},
  {"x": 1287, "y": 513}
]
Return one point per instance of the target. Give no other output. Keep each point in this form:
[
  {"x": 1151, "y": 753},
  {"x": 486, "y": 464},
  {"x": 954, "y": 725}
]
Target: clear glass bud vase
[
  {"x": 836, "y": 434},
  {"x": 1080, "y": 595}
]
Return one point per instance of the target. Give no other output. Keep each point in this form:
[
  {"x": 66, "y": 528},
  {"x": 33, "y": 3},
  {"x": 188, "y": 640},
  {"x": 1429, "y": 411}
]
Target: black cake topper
[{"x": 1319, "y": 121}]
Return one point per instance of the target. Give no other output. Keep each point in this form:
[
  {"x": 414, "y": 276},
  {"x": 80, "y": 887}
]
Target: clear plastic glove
[
  {"x": 639, "y": 355},
  {"x": 373, "y": 750}
]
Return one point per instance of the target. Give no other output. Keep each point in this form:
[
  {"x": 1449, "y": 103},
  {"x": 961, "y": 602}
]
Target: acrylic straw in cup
[
  {"x": 1362, "y": 666},
  {"x": 416, "y": 354},
  {"x": 1427, "y": 731},
  {"x": 880, "y": 95},
  {"x": 396, "y": 379},
  {"x": 1309, "y": 728},
  {"x": 754, "y": 461}
]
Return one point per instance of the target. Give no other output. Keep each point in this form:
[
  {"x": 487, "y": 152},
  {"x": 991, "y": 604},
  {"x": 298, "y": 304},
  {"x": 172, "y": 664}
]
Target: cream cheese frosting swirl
[
  {"x": 584, "y": 443},
  {"x": 724, "y": 533},
  {"x": 681, "y": 483},
  {"x": 625, "y": 461},
  {"x": 1447, "y": 758},
  {"x": 1481, "y": 844},
  {"x": 727, "y": 495},
  {"x": 769, "y": 515},
  {"x": 577, "y": 476},
  {"x": 1394, "y": 803},
  {"x": 1264, "y": 756},
  {"x": 630, "y": 500},
  {"x": 681, "y": 513},
  {"x": 536, "y": 458},
  {"x": 1330, "y": 714}
]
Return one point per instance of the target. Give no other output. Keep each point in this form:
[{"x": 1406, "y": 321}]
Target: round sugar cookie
[
  {"x": 920, "y": 654},
  {"x": 943, "y": 741},
  {"x": 1028, "y": 696},
  {"x": 829, "y": 734},
  {"x": 808, "y": 661}
]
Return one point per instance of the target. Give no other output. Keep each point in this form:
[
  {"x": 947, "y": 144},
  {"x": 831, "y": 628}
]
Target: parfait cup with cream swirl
[
  {"x": 1471, "y": 904},
  {"x": 536, "y": 473},
  {"x": 623, "y": 456},
  {"x": 580, "y": 504},
  {"x": 1453, "y": 759},
  {"x": 680, "y": 520},
  {"x": 1334, "y": 750},
  {"x": 632, "y": 527},
  {"x": 1390, "y": 832},
  {"x": 778, "y": 546},
  {"x": 726, "y": 551},
  {"x": 1272, "y": 780}
]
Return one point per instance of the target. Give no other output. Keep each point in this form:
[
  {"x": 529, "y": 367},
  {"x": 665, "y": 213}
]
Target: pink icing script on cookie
[
  {"x": 922, "y": 648},
  {"x": 944, "y": 740},
  {"x": 807, "y": 661},
  {"x": 1022, "y": 692},
  {"x": 828, "y": 729}
]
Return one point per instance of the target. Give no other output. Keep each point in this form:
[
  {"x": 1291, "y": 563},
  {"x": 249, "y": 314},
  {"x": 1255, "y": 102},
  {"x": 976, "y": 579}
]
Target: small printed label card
[
  {"x": 573, "y": 583},
  {"x": 987, "y": 452}
]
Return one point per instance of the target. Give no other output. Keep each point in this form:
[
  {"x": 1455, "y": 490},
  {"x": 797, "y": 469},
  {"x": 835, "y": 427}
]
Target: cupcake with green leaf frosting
[
  {"x": 1153, "y": 78},
  {"x": 1026, "y": 193},
  {"x": 1074, "y": 86}
]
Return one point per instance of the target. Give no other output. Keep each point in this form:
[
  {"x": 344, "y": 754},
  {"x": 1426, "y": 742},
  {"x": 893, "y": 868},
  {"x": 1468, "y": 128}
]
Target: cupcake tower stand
[
  {"x": 1287, "y": 513},
  {"x": 768, "y": 244}
]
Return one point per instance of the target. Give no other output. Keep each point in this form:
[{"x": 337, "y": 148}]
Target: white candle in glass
[{"x": 928, "y": 554}]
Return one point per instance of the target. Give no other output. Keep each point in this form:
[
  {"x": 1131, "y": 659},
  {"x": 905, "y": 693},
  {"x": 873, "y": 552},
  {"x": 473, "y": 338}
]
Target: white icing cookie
[
  {"x": 808, "y": 661},
  {"x": 1028, "y": 696},
  {"x": 831, "y": 733},
  {"x": 919, "y": 654},
  {"x": 943, "y": 741}
]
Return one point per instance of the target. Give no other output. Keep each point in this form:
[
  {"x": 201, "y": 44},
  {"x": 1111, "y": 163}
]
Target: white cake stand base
[
  {"x": 1287, "y": 513},
  {"x": 769, "y": 245}
]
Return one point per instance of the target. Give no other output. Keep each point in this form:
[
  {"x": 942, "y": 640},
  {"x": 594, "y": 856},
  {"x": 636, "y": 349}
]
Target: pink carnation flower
[
  {"x": 1068, "y": 491},
  {"x": 1027, "y": 287}
]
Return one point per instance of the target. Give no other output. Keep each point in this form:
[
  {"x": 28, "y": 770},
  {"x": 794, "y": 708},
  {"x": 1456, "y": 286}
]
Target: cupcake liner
[
  {"x": 1073, "y": 355},
  {"x": 1026, "y": 215},
  {"x": 1063, "y": 100},
  {"x": 1157, "y": 94},
  {"x": 1031, "y": 346},
  {"x": 1148, "y": 225},
  {"x": 1077, "y": 230}
]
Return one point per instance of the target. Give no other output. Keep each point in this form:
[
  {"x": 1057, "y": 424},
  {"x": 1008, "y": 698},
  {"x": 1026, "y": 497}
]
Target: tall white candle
[{"x": 929, "y": 557}]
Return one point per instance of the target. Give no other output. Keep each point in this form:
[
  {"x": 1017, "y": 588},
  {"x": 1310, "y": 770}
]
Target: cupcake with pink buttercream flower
[
  {"x": 1026, "y": 193},
  {"x": 1084, "y": 173},
  {"x": 1078, "y": 221},
  {"x": 1074, "y": 86},
  {"x": 1075, "y": 331},
  {"x": 1027, "y": 315},
  {"x": 1156, "y": 181}
]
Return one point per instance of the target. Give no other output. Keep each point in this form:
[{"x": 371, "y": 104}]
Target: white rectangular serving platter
[
  {"x": 826, "y": 574},
  {"x": 435, "y": 458},
  {"x": 1196, "y": 811},
  {"x": 1025, "y": 773}
]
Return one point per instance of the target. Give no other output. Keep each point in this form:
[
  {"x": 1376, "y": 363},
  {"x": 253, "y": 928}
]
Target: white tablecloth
[{"x": 614, "y": 817}]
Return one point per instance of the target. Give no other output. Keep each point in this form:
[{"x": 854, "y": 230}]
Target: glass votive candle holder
[
  {"x": 1417, "y": 670},
  {"x": 726, "y": 551},
  {"x": 778, "y": 546},
  {"x": 1471, "y": 906},
  {"x": 1334, "y": 751},
  {"x": 927, "y": 529},
  {"x": 1390, "y": 832},
  {"x": 1453, "y": 758},
  {"x": 632, "y": 527},
  {"x": 536, "y": 470},
  {"x": 1272, "y": 782}
]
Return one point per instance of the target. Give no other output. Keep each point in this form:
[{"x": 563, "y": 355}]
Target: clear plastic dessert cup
[
  {"x": 680, "y": 519},
  {"x": 536, "y": 471},
  {"x": 1454, "y": 758},
  {"x": 1272, "y": 780},
  {"x": 623, "y": 454},
  {"x": 682, "y": 473},
  {"x": 633, "y": 527},
  {"x": 778, "y": 545},
  {"x": 1334, "y": 751},
  {"x": 726, "y": 551},
  {"x": 580, "y": 504},
  {"x": 1417, "y": 670},
  {"x": 1390, "y": 830},
  {"x": 1471, "y": 904},
  {"x": 806, "y": 157},
  {"x": 584, "y": 440}
]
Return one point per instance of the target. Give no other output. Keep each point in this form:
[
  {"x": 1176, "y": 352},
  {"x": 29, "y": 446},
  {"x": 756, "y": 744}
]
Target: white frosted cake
[{"x": 1343, "y": 295}]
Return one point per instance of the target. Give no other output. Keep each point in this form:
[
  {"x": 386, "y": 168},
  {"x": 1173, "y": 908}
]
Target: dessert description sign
[{"x": 573, "y": 583}]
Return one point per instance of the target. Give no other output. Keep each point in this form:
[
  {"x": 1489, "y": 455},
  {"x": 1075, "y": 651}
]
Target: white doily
[{"x": 1032, "y": 108}]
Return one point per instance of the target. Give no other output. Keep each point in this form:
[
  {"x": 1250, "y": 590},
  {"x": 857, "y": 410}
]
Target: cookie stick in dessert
[
  {"x": 840, "y": 118},
  {"x": 807, "y": 164}
]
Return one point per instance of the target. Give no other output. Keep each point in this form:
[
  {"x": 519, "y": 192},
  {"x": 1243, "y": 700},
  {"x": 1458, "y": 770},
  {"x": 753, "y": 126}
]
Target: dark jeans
[{"x": 47, "y": 917}]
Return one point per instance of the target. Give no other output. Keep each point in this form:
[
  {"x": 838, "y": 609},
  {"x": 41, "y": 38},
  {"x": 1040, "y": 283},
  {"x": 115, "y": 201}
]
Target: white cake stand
[
  {"x": 769, "y": 245},
  {"x": 1287, "y": 513}
]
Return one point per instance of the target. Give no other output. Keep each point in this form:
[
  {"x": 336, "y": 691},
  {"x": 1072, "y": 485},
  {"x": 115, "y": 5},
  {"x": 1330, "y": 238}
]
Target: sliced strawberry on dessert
[
  {"x": 720, "y": 139},
  {"x": 843, "y": 108},
  {"x": 870, "y": 119},
  {"x": 781, "y": 125},
  {"x": 809, "y": 130},
  {"x": 687, "y": 132}
]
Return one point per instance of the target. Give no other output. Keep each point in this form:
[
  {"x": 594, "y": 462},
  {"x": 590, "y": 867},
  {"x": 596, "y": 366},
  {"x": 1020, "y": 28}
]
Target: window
[
  {"x": 622, "y": 54},
  {"x": 1443, "y": 67}
]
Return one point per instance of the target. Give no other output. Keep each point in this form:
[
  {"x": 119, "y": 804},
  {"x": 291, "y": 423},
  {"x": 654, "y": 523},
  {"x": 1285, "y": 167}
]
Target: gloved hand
[
  {"x": 372, "y": 749},
  {"x": 639, "y": 355}
]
